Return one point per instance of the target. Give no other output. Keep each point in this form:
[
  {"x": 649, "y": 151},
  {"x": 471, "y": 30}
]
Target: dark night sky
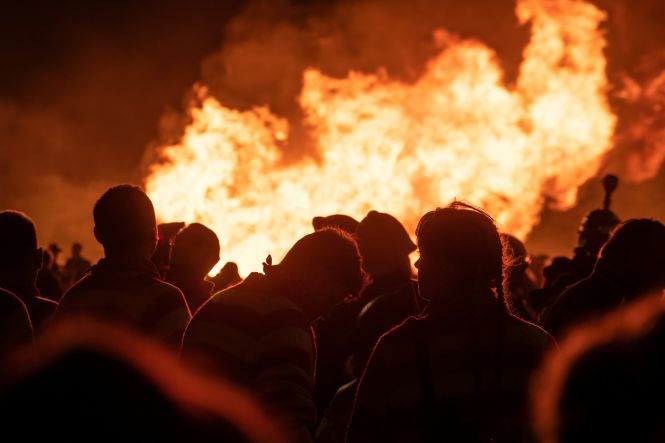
[{"x": 83, "y": 85}]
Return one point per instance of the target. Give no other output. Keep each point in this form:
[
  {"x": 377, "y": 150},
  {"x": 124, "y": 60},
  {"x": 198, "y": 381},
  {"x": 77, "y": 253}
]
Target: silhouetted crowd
[{"x": 341, "y": 340}]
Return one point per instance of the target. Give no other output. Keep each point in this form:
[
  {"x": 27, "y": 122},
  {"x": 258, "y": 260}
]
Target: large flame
[{"x": 458, "y": 132}]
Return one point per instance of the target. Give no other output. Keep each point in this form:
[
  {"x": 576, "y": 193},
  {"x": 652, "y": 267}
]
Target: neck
[
  {"x": 458, "y": 301},
  {"x": 122, "y": 256}
]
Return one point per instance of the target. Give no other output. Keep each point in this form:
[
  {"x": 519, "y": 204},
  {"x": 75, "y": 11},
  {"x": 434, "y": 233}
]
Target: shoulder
[
  {"x": 570, "y": 302},
  {"x": 9, "y": 302},
  {"x": 398, "y": 341},
  {"x": 165, "y": 289},
  {"x": 530, "y": 333}
]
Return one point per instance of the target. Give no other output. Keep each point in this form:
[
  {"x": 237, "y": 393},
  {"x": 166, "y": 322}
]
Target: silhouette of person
[
  {"x": 76, "y": 265},
  {"x": 47, "y": 282},
  {"x": 460, "y": 371},
  {"x": 631, "y": 264},
  {"x": 124, "y": 286},
  {"x": 15, "y": 325},
  {"x": 594, "y": 231},
  {"x": 519, "y": 283},
  {"x": 258, "y": 333},
  {"x": 20, "y": 260},
  {"x": 384, "y": 246},
  {"x": 227, "y": 276},
  {"x": 374, "y": 320},
  {"x": 194, "y": 252},
  {"x": 90, "y": 382},
  {"x": 606, "y": 384}
]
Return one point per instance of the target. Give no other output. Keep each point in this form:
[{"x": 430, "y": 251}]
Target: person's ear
[{"x": 39, "y": 258}]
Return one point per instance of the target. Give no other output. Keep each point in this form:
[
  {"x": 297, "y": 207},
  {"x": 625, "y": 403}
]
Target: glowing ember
[{"x": 458, "y": 132}]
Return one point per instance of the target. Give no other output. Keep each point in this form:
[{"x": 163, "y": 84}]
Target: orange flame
[{"x": 457, "y": 132}]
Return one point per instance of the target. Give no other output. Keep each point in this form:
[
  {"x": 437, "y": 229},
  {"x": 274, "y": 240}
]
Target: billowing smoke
[
  {"x": 82, "y": 88},
  {"x": 268, "y": 47},
  {"x": 78, "y": 115}
]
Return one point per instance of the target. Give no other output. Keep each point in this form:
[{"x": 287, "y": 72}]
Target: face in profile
[{"x": 433, "y": 273}]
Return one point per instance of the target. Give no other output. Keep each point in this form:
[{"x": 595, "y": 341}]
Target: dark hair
[
  {"x": 344, "y": 222},
  {"x": 195, "y": 247},
  {"x": 18, "y": 238},
  {"x": 124, "y": 216},
  {"x": 467, "y": 237},
  {"x": 635, "y": 251},
  {"x": 331, "y": 249}
]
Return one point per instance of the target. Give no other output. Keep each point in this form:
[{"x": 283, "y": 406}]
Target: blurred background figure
[
  {"x": 76, "y": 265},
  {"x": 55, "y": 251},
  {"x": 630, "y": 265},
  {"x": 194, "y": 251},
  {"x": 594, "y": 231},
  {"x": 90, "y": 382},
  {"x": 606, "y": 383},
  {"x": 20, "y": 261},
  {"x": 48, "y": 282},
  {"x": 226, "y": 277}
]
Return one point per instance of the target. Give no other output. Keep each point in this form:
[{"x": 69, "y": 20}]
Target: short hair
[
  {"x": 385, "y": 233},
  {"x": 18, "y": 238},
  {"x": 124, "y": 216},
  {"x": 332, "y": 249},
  {"x": 636, "y": 249},
  {"x": 195, "y": 246},
  {"x": 465, "y": 235}
]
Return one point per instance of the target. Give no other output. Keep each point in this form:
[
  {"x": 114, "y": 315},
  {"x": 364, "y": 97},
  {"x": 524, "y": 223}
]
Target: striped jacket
[
  {"x": 15, "y": 326},
  {"x": 130, "y": 294},
  {"x": 262, "y": 341},
  {"x": 449, "y": 378}
]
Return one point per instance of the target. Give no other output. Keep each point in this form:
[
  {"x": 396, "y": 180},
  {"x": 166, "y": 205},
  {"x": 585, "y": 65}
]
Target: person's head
[
  {"x": 344, "y": 222},
  {"x": 55, "y": 249},
  {"x": 228, "y": 276},
  {"x": 460, "y": 252},
  {"x": 76, "y": 249},
  {"x": 194, "y": 251},
  {"x": 125, "y": 222},
  {"x": 635, "y": 255},
  {"x": 47, "y": 258},
  {"x": 20, "y": 258},
  {"x": 321, "y": 270},
  {"x": 384, "y": 245},
  {"x": 605, "y": 382},
  {"x": 88, "y": 381},
  {"x": 595, "y": 229}
]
